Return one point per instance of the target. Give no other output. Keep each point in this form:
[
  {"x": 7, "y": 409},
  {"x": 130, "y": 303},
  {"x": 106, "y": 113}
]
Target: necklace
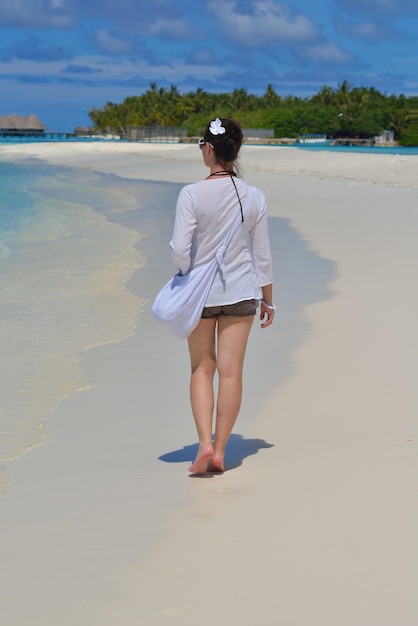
[{"x": 222, "y": 173}]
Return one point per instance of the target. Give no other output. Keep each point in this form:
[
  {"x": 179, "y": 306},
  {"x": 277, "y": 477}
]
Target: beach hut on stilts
[{"x": 21, "y": 126}]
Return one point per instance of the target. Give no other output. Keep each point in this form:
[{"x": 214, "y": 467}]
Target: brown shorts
[{"x": 238, "y": 309}]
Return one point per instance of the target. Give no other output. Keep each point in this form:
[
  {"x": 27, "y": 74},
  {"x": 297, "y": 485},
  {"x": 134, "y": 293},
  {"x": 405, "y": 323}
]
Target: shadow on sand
[{"x": 238, "y": 449}]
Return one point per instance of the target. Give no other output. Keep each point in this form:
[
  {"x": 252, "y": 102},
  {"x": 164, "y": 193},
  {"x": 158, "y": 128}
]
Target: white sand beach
[{"x": 315, "y": 522}]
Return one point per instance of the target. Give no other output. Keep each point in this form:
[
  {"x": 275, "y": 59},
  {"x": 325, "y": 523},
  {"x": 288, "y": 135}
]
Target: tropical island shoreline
[{"x": 319, "y": 527}]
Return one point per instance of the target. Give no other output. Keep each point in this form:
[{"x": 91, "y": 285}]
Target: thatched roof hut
[{"x": 20, "y": 123}]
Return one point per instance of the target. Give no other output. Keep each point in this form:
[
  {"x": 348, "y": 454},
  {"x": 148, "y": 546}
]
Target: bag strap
[
  {"x": 238, "y": 220},
  {"x": 235, "y": 225}
]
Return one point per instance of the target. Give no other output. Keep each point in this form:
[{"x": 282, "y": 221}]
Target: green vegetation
[
  {"x": 343, "y": 112},
  {"x": 410, "y": 134}
]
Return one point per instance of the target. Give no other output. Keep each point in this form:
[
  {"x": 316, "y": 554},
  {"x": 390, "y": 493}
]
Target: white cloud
[
  {"x": 379, "y": 7},
  {"x": 268, "y": 24},
  {"x": 113, "y": 72},
  {"x": 203, "y": 56},
  {"x": 110, "y": 44},
  {"x": 327, "y": 52},
  {"x": 175, "y": 29},
  {"x": 136, "y": 17},
  {"x": 369, "y": 31},
  {"x": 32, "y": 14}
]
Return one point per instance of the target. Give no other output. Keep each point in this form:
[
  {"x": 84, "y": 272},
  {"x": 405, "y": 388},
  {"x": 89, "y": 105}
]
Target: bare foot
[
  {"x": 216, "y": 464},
  {"x": 201, "y": 462}
]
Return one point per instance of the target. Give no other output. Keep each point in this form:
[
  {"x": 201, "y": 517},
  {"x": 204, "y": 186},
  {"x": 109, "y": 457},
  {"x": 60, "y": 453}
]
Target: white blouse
[{"x": 204, "y": 215}]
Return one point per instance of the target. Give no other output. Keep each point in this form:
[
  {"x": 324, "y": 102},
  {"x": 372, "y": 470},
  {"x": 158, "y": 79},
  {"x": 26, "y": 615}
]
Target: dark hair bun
[{"x": 226, "y": 145}]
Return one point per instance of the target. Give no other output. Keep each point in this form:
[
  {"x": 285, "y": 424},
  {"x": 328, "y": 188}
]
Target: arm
[
  {"x": 267, "y": 308},
  {"x": 184, "y": 226},
  {"x": 260, "y": 243},
  {"x": 261, "y": 254}
]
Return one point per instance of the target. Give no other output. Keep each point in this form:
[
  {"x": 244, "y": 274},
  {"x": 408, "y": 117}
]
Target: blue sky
[{"x": 58, "y": 58}]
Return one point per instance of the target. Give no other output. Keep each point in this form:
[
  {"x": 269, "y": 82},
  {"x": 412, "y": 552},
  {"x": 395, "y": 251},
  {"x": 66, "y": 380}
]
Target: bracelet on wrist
[{"x": 269, "y": 306}]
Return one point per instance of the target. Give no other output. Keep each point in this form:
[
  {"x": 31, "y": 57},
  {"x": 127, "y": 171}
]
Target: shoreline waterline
[
  {"x": 64, "y": 291},
  {"x": 384, "y": 168}
]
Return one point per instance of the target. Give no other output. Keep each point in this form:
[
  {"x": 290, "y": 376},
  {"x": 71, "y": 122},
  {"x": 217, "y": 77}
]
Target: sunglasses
[{"x": 202, "y": 142}]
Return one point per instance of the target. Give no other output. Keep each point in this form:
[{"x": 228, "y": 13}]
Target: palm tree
[
  {"x": 106, "y": 119},
  {"x": 325, "y": 96},
  {"x": 342, "y": 94},
  {"x": 185, "y": 107},
  {"x": 240, "y": 99},
  {"x": 399, "y": 120},
  {"x": 270, "y": 99},
  {"x": 199, "y": 99},
  {"x": 351, "y": 103}
]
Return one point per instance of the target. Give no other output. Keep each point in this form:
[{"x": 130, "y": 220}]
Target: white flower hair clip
[{"x": 216, "y": 127}]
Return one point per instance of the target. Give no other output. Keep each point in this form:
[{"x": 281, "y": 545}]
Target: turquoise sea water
[
  {"x": 16, "y": 202},
  {"x": 48, "y": 138},
  {"x": 320, "y": 147},
  {"x": 63, "y": 268},
  {"x": 314, "y": 147}
]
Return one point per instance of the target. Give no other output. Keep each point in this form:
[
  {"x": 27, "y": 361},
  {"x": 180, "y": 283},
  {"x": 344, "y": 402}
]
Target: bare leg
[
  {"x": 203, "y": 363},
  {"x": 233, "y": 335}
]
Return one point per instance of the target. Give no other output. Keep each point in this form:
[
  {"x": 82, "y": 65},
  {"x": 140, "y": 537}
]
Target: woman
[{"x": 204, "y": 215}]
